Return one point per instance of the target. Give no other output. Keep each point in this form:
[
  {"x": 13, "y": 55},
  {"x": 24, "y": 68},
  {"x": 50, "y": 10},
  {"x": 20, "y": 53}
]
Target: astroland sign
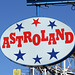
[{"x": 37, "y": 41}]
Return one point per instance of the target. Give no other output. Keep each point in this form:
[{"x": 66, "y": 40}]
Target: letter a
[{"x": 6, "y": 42}]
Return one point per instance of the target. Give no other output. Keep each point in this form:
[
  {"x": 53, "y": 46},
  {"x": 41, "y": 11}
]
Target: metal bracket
[{"x": 73, "y": 6}]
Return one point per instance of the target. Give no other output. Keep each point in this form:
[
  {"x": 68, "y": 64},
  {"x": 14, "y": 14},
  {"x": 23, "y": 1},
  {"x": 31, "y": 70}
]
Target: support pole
[
  {"x": 64, "y": 66},
  {"x": 56, "y": 70},
  {"x": 45, "y": 71},
  {"x": 33, "y": 71},
  {"x": 74, "y": 63},
  {"x": 37, "y": 10},
  {"x": 61, "y": 67}
]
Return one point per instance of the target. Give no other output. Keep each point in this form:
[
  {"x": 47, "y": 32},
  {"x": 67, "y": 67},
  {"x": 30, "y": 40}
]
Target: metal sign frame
[{"x": 49, "y": 2}]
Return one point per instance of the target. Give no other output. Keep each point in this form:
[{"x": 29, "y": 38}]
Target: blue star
[
  {"x": 52, "y": 24},
  {"x": 53, "y": 54},
  {"x": 20, "y": 55},
  {"x": 37, "y": 59},
  {"x": 19, "y": 27}
]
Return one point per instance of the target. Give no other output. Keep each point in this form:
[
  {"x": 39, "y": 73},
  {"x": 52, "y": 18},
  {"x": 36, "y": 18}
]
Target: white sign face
[{"x": 37, "y": 41}]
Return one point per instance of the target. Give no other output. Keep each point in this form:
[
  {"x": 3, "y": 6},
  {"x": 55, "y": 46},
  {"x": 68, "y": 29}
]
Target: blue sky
[{"x": 12, "y": 11}]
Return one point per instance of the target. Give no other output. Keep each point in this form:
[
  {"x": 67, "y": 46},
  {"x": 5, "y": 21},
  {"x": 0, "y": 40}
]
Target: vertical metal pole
[
  {"x": 56, "y": 70},
  {"x": 29, "y": 70},
  {"x": 45, "y": 71},
  {"x": 74, "y": 62},
  {"x": 61, "y": 67},
  {"x": 37, "y": 10},
  {"x": 33, "y": 71},
  {"x": 64, "y": 66}
]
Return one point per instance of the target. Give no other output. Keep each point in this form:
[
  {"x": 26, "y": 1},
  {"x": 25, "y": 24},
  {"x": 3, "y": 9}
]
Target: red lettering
[
  {"x": 43, "y": 36},
  {"x": 19, "y": 38},
  {"x": 52, "y": 38},
  {"x": 6, "y": 42},
  {"x": 12, "y": 38},
  {"x": 60, "y": 33},
  {"x": 27, "y": 35},
  {"x": 36, "y": 42},
  {"x": 69, "y": 37}
]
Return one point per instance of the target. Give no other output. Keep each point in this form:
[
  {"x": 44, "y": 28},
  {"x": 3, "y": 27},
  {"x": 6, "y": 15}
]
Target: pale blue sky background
[{"x": 12, "y": 11}]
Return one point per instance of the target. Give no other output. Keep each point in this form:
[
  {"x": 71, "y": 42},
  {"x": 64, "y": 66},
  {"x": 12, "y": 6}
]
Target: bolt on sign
[
  {"x": 16, "y": 71},
  {"x": 38, "y": 41}
]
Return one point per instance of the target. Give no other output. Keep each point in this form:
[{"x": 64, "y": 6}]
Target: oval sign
[{"x": 37, "y": 41}]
